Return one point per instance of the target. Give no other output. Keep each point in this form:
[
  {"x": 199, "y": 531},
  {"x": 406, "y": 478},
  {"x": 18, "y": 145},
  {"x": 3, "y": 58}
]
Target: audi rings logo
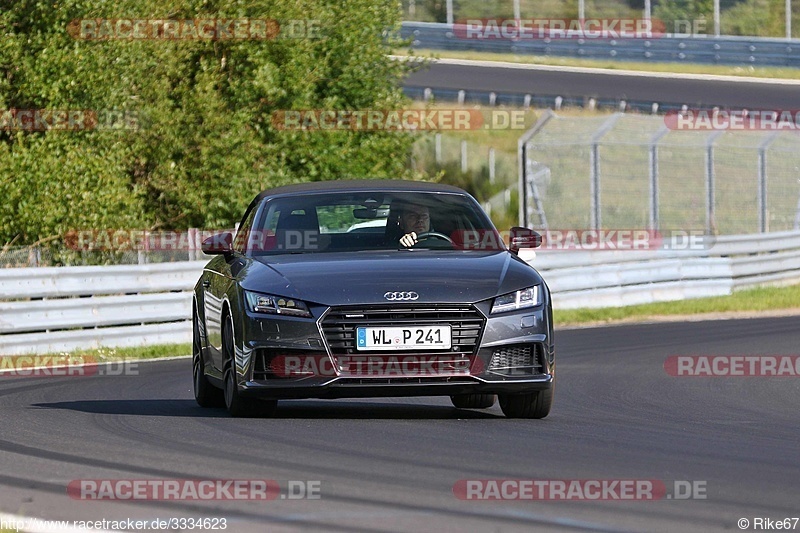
[{"x": 400, "y": 296}]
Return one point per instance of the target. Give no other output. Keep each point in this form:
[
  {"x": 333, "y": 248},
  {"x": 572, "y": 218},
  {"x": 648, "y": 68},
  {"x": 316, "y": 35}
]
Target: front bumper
[
  {"x": 512, "y": 354},
  {"x": 349, "y": 387}
]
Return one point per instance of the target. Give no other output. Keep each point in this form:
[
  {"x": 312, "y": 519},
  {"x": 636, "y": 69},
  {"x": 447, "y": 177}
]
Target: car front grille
[
  {"x": 517, "y": 359},
  {"x": 339, "y": 325}
]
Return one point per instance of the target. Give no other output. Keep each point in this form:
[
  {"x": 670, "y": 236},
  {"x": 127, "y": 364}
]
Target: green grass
[
  {"x": 680, "y": 68},
  {"x": 101, "y": 355},
  {"x": 146, "y": 352},
  {"x": 753, "y": 300}
]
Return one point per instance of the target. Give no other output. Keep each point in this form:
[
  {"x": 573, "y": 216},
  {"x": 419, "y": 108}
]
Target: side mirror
[
  {"x": 523, "y": 238},
  {"x": 221, "y": 243}
]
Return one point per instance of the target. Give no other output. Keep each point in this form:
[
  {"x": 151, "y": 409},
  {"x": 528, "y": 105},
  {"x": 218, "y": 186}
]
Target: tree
[{"x": 205, "y": 144}]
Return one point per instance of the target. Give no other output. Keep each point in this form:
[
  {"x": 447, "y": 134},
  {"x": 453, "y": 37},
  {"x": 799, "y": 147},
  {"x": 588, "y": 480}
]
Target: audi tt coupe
[{"x": 371, "y": 288}]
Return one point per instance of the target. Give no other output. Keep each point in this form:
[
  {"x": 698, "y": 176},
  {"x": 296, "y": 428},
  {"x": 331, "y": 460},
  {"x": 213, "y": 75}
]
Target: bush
[{"x": 205, "y": 144}]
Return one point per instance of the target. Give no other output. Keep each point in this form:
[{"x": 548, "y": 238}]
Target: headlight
[
  {"x": 530, "y": 297},
  {"x": 275, "y": 305}
]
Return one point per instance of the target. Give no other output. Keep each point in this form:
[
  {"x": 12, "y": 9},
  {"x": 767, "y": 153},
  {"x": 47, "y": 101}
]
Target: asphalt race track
[
  {"x": 391, "y": 464},
  {"x": 608, "y": 86}
]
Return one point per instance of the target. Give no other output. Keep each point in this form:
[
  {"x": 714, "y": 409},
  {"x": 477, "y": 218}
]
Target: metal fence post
[
  {"x": 654, "y": 215},
  {"x": 437, "y": 148},
  {"x": 594, "y": 186},
  {"x": 463, "y": 156},
  {"x": 522, "y": 164},
  {"x": 533, "y": 193},
  {"x": 491, "y": 165},
  {"x": 711, "y": 224},
  {"x": 193, "y": 244},
  {"x": 594, "y": 169},
  {"x": 797, "y": 214},
  {"x": 143, "y": 254},
  {"x": 763, "y": 221},
  {"x": 34, "y": 257}
]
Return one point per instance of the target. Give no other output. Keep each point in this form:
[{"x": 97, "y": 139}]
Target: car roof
[{"x": 360, "y": 185}]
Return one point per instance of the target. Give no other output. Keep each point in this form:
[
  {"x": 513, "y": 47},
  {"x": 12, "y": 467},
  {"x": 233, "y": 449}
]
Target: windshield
[{"x": 351, "y": 222}]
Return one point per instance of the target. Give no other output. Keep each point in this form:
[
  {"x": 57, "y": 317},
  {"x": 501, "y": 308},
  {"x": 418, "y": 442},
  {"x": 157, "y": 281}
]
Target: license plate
[{"x": 403, "y": 338}]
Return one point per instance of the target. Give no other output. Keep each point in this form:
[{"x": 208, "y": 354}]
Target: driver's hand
[{"x": 409, "y": 239}]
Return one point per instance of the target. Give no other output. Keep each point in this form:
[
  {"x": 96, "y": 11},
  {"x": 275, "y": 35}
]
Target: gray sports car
[{"x": 370, "y": 288}]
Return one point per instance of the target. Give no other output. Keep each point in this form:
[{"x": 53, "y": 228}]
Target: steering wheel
[{"x": 434, "y": 234}]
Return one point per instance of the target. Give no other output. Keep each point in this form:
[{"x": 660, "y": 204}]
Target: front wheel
[
  {"x": 237, "y": 405},
  {"x": 531, "y": 405},
  {"x": 205, "y": 394}
]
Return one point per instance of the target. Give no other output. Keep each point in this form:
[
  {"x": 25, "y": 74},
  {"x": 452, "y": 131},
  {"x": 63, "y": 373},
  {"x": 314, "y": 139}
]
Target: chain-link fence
[
  {"x": 110, "y": 247},
  {"x": 438, "y": 150},
  {"x": 36, "y": 256},
  {"x": 486, "y": 170},
  {"x": 632, "y": 171}
]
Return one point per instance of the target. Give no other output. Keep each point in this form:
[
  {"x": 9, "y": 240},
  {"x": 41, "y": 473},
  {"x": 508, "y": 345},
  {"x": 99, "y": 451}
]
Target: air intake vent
[{"x": 517, "y": 359}]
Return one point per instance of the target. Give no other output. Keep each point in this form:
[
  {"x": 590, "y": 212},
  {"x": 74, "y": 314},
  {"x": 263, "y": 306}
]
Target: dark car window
[{"x": 347, "y": 221}]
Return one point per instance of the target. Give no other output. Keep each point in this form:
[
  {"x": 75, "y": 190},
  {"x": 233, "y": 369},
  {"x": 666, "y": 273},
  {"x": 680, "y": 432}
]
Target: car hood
[{"x": 364, "y": 277}]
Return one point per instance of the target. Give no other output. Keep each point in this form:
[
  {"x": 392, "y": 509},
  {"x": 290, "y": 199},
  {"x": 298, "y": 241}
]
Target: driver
[{"x": 414, "y": 219}]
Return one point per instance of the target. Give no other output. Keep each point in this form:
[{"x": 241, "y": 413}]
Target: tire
[
  {"x": 532, "y": 405},
  {"x": 473, "y": 401},
  {"x": 205, "y": 394},
  {"x": 237, "y": 405}
]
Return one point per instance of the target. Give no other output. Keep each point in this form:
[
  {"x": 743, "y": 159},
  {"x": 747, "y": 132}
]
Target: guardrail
[
  {"x": 727, "y": 50},
  {"x": 596, "y": 279},
  {"x": 59, "y": 309}
]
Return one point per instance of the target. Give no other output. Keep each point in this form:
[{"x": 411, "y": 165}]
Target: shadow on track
[{"x": 287, "y": 409}]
